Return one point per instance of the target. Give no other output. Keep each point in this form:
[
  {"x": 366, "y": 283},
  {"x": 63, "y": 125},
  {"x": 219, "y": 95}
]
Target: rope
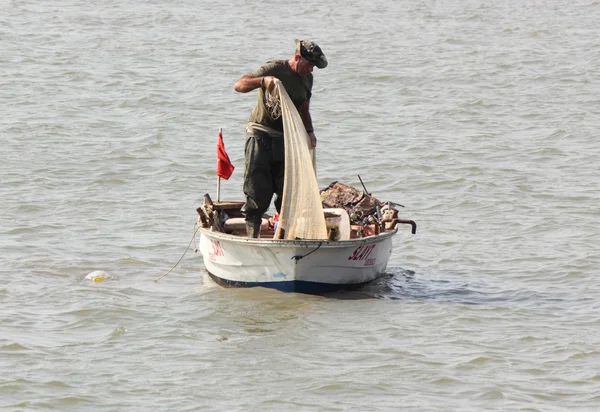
[
  {"x": 273, "y": 104},
  {"x": 186, "y": 249},
  {"x": 298, "y": 257}
]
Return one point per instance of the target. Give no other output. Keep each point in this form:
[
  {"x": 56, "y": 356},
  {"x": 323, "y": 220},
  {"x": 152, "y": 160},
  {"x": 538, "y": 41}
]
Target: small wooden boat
[{"x": 353, "y": 254}]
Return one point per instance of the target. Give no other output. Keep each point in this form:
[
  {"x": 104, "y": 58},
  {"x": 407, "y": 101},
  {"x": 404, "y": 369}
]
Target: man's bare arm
[{"x": 249, "y": 82}]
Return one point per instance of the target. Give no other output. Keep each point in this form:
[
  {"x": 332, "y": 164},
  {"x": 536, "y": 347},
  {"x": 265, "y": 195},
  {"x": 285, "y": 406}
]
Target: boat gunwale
[{"x": 307, "y": 243}]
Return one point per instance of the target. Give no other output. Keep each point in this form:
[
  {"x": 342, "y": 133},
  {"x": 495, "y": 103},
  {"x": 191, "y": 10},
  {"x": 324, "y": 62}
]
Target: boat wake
[{"x": 402, "y": 284}]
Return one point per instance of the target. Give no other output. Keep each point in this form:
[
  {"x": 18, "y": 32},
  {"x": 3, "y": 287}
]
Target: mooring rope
[{"x": 197, "y": 227}]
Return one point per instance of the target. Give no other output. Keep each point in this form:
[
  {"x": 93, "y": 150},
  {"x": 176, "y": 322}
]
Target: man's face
[{"x": 304, "y": 67}]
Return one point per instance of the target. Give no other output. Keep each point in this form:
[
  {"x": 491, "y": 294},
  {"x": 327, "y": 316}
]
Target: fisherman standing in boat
[{"x": 264, "y": 150}]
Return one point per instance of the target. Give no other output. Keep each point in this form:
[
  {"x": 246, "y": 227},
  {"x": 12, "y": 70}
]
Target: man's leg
[{"x": 258, "y": 186}]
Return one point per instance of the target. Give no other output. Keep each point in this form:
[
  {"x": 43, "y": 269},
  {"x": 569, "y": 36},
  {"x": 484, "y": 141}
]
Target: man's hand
[
  {"x": 313, "y": 139},
  {"x": 268, "y": 82}
]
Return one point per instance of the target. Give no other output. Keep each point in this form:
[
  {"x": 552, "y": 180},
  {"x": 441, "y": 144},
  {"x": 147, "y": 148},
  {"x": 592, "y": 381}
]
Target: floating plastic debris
[{"x": 98, "y": 276}]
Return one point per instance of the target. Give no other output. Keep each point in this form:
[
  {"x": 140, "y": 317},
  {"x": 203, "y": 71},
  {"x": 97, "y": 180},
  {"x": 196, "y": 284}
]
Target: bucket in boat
[{"x": 338, "y": 220}]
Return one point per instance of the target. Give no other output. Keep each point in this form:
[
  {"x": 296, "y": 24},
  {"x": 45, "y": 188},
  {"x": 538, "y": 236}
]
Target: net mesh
[{"x": 301, "y": 209}]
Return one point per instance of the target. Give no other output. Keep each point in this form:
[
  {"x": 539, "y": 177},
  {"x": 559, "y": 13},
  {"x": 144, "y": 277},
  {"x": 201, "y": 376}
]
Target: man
[{"x": 264, "y": 168}]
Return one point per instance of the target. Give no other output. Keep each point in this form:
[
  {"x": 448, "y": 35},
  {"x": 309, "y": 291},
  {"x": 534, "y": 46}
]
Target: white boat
[{"x": 350, "y": 259}]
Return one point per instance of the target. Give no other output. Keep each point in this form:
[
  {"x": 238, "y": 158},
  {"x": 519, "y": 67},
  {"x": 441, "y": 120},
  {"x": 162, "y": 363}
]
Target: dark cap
[{"x": 311, "y": 52}]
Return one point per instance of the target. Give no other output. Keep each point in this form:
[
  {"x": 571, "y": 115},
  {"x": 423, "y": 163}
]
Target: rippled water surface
[{"x": 481, "y": 118}]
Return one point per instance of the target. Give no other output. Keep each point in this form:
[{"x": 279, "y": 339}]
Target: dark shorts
[{"x": 263, "y": 173}]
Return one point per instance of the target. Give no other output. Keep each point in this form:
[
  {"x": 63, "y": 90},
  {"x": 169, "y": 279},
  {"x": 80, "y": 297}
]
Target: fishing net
[{"x": 301, "y": 210}]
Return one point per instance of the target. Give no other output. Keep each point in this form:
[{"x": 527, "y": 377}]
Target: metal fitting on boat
[{"x": 409, "y": 222}]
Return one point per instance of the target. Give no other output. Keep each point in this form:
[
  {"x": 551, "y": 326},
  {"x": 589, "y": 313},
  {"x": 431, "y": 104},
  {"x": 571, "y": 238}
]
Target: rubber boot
[{"x": 253, "y": 229}]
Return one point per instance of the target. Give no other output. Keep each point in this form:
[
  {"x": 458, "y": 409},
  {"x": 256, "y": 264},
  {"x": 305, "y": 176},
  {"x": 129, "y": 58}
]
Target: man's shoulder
[
  {"x": 273, "y": 65},
  {"x": 276, "y": 63}
]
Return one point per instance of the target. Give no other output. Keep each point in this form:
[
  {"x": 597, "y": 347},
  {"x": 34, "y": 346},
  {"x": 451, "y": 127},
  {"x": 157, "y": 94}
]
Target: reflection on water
[
  {"x": 407, "y": 285},
  {"x": 402, "y": 284}
]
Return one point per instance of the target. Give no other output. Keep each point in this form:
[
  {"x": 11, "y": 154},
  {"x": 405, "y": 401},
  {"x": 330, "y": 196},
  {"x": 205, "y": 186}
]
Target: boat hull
[{"x": 305, "y": 266}]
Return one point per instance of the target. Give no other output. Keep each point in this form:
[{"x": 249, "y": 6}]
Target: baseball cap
[{"x": 311, "y": 52}]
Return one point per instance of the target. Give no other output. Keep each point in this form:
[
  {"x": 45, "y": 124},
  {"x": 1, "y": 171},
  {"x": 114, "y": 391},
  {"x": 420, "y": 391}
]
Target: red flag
[{"x": 224, "y": 166}]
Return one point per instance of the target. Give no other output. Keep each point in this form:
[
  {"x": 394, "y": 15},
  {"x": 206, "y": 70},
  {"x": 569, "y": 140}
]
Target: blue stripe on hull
[{"x": 296, "y": 286}]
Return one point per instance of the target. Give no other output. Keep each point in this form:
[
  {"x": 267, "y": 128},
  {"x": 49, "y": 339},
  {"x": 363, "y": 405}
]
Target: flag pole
[
  {"x": 219, "y": 178},
  {"x": 218, "y": 189}
]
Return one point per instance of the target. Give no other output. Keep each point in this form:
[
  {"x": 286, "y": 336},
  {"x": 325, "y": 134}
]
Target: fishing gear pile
[{"x": 368, "y": 215}]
